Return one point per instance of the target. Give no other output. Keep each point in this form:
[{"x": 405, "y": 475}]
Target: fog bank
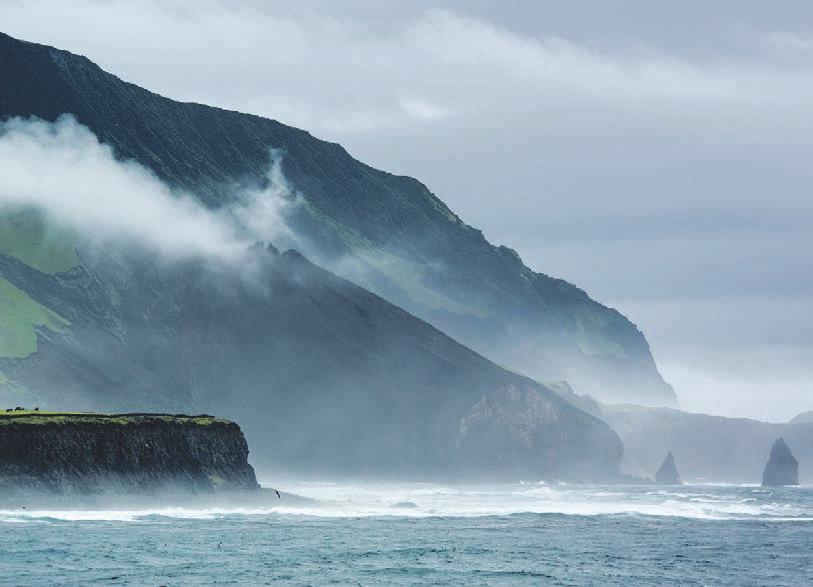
[{"x": 63, "y": 170}]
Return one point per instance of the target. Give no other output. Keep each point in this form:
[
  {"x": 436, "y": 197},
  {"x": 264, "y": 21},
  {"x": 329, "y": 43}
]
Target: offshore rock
[
  {"x": 667, "y": 474},
  {"x": 92, "y": 454},
  {"x": 710, "y": 448},
  {"x": 782, "y": 467}
]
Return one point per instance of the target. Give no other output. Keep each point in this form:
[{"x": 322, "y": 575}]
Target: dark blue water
[{"x": 430, "y": 534}]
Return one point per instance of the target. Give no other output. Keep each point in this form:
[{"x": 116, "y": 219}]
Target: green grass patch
[
  {"x": 592, "y": 332},
  {"x": 25, "y": 235},
  {"x": 39, "y": 418},
  {"x": 20, "y": 316},
  {"x": 409, "y": 276},
  {"x": 406, "y": 274}
]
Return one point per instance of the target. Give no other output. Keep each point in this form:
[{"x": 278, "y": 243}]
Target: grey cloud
[{"x": 63, "y": 170}]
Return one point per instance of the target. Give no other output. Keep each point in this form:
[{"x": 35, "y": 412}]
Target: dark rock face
[
  {"x": 667, "y": 474},
  {"x": 782, "y": 467},
  {"x": 516, "y": 431},
  {"x": 481, "y": 294},
  {"x": 81, "y": 455}
]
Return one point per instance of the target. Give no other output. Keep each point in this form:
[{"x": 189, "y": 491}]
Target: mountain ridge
[{"x": 388, "y": 233}]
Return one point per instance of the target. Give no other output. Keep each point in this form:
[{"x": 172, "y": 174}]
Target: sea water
[{"x": 351, "y": 534}]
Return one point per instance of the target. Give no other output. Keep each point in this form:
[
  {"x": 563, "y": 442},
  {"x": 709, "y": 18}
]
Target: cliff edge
[{"x": 80, "y": 454}]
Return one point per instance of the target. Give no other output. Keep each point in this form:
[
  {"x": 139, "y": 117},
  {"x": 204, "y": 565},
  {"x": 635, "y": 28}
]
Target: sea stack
[
  {"x": 782, "y": 467},
  {"x": 667, "y": 473}
]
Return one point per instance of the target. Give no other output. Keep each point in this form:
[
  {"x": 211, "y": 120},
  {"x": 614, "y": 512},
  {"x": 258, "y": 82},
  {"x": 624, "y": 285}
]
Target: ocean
[{"x": 405, "y": 534}]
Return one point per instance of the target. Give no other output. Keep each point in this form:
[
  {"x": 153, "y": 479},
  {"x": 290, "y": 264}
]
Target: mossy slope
[{"x": 20, "y": 317}]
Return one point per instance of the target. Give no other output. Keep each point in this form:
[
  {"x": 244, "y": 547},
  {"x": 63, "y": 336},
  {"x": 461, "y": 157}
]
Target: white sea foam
[
  {"x": 434, "y": 500},
  {"x": 342, "y": 500}
]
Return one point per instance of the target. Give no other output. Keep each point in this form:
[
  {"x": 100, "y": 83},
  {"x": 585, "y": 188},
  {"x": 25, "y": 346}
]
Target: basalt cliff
[{"x": 102, "y": 454}]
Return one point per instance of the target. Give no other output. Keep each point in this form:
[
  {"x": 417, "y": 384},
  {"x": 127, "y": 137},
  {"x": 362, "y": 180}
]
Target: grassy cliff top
[{"x": 36, "y": 417}]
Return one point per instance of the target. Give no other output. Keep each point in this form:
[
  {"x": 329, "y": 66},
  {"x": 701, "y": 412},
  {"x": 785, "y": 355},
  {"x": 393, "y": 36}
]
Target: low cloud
[{"x": 63, "y": 170}]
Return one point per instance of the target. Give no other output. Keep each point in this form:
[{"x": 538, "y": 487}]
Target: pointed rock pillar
[
  {"x": 667, "y": 473},
  {"x": 782, "y": 467}
]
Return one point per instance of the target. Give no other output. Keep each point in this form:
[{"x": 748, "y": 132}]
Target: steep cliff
[
  {"x": 389, "y": 234},
  {"x": 80, "y": 454}
]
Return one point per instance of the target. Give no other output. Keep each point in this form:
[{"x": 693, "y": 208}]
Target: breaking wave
[{"x": 421, "y": 500}]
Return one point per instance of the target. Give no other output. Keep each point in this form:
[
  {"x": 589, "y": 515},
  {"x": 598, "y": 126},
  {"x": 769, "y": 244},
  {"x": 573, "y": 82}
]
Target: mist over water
[
  {"x": 336, "y": 500},
  {"x": 432, "y": 500},
  {"x": 525, "y": 533}
]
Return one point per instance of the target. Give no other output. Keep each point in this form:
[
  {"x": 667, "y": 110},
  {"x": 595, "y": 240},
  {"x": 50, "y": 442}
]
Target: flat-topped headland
[{"x": 79, "y": 453}]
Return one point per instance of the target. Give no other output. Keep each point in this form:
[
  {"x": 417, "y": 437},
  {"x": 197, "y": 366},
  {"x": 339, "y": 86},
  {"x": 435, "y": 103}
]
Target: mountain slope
[
  {"x": 387, "y": 233},
  {"x": 321, "y": 374}
]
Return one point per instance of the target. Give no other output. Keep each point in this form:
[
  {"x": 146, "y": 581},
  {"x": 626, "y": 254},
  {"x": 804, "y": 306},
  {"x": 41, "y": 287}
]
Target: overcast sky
[{"x": 656, "y": 154}]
